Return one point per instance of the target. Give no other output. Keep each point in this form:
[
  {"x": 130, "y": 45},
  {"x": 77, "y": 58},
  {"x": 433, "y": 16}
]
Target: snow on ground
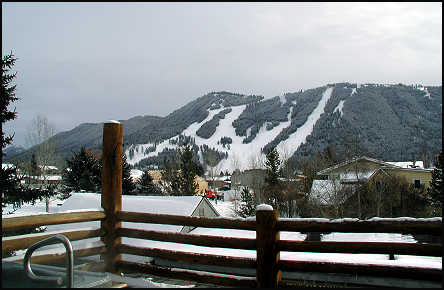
[
  {"x": 253, "y": 148},
  {"x": 38, "y": 208},
  {"x": 225, "y": 208}
]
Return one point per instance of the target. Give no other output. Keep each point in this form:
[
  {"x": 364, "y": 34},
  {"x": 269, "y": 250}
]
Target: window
[
  {"x": 417, "y": 183},
  {"x": 378, "y": 185}
]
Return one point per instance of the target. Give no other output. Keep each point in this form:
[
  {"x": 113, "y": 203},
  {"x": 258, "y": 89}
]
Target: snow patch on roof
[
  {"x": 135, "y": 174},
  {"x": 408, "y": 164}
]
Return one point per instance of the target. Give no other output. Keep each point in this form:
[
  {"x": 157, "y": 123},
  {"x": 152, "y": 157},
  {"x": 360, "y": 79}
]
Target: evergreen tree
[
  {"x": 9, "y": 182},
  {"x": 84, "y": 172},
  {"x": 170, "y": 176},
  {"x": 273, "y": 187},
  {"x": 128, "y": 185},
  {"x": 8, "y": 96},
  {"x": 272, "y": 165},
  {"x": 188, "y": 172},
  {"x": 248, "y": 204},
  {"x": 13, "y": 192},
  {"x": 35, "y": 169},
  {"x": 435, "y": 194},
  {"x": 146, "y": 185}
]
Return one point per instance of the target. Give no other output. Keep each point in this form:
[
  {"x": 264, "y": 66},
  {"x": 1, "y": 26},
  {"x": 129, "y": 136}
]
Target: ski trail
[{"x": 290, "y": 145}]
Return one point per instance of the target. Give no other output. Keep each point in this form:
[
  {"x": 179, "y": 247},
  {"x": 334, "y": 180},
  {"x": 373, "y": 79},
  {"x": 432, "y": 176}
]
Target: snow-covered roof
[
  {"x": 407, "y": 169},
  {"x": 408, "y": 164},
  {"x": 136, "y": 174},
  {"x": 48, "y": 167},
  {"x": 355, "y": 176},
  {"x": 382, "y": 163},
  {"x": 174, "y": 205}
]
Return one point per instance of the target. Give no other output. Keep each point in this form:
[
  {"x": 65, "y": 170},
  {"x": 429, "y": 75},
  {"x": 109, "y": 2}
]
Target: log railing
[
  {"x": 267, "y": 244},
  {"x": 412, "y": 226},
  {"x": 431, "y": 226},
  {"x": 20, "y": 242},
  {"x": 268, "y": 268},
  {"x": 198, "y": 240}
]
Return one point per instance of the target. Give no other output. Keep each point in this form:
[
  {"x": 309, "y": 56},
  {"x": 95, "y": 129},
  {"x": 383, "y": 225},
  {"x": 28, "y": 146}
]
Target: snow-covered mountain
[
  {"x": 392, "y": 122},
  {"x": 241, "y": 149}
]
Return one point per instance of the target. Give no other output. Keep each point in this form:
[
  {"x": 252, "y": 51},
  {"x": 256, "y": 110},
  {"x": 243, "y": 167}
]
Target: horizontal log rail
[
  {"x": 198, "y": 240},
  {"x": 32, "y": 221},
  {"x": 206, "y": 222},
  {"x": 19, "y": 242},
  {"x": 204, "y": 259},
  {"x": 417, "y": 226},
  {"x": 202, "y": 277},
  {"x": 24, "y": 241},
  {"x": 434, "y": 250},
  {"x": 60, "y": 257},
  {"x": 362, "y": 269}
]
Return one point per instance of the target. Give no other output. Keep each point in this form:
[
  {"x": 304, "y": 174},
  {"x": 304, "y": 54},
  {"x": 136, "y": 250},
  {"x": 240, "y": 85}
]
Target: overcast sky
[{"x": 92, "y": 62}]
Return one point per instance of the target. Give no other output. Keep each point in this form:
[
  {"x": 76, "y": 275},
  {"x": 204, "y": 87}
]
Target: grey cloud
[{"x": 89, "y": 62}]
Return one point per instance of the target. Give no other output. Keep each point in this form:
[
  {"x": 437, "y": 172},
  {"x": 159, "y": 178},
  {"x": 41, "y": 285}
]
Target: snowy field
[{"x": 225, "y": 208}]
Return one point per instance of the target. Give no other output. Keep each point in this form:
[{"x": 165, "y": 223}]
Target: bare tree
[
  {"x": 39, "y": 134},
  {"x": 213, "y": 164},
  {"x": 256, "y": 161},
  {"x": 235, "y": 167}
]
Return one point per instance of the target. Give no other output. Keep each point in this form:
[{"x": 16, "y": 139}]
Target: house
[
  {"x": 343, "y": 177},
  {"x": 351, "y": 171},
  {"x": 363, "y": 168}
]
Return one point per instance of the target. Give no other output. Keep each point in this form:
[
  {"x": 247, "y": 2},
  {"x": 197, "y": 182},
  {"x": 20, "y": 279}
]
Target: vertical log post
[
  {"x": 111, "y": 190},
  {"x": 267, "y": 272}
]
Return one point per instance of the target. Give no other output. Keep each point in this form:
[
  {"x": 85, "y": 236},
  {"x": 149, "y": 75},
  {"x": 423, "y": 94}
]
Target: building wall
[
  {"x": 203, "y": 209},
  {"x": 410, "y": 175},
  {"x": 202, "y": 185}
]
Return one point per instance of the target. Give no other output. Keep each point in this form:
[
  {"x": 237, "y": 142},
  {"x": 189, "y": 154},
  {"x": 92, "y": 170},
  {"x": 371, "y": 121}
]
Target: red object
[{"x": 209, "y": 193}]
